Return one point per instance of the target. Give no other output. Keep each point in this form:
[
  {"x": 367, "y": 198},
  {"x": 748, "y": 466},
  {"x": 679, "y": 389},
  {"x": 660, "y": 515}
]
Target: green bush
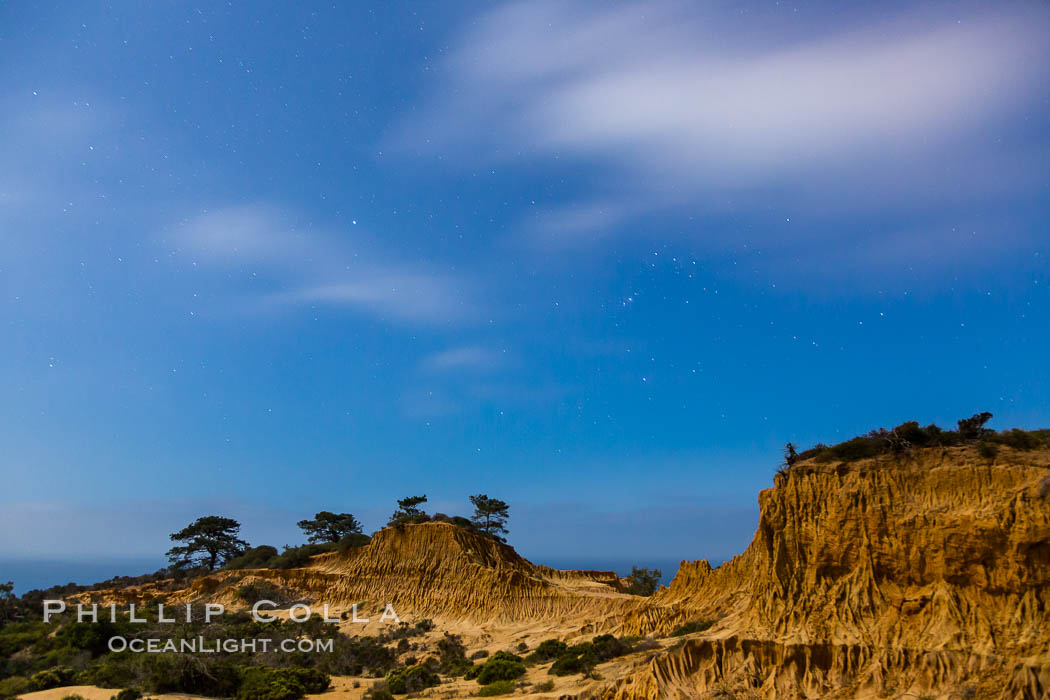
[
  {"x": 987, "y": 449},
  {"x": 127, "y": 694},
  {"x": 254, "y": 558},
  {"x": 452, "y": 656},
  {"x": 1018, "y": 439},
  {"x": 92, "y": 637},
  {"x": 15, "y": 685},
  {"x": 692, "y": 627},
  {"x": 51, "y": 678},
  {"x": 352, "y": 541},
  {"x": 73, "y": 696},
  {"x": 298, "y": 557},
  {"x": 411, "y": 680},
  {"x": 496, "y": 688},
  {"x": 201, "y": 675},
  {"x": 607, "y": 647},
  {"x": 547, "y": 650},
  {"x": 642, "y": 581},
  {"x": 571, "y": 663},
  {"x": 544, "y": 687},
  {"x": 911, "y": 435},
  {"x": 290, "y": 683},
  {"x": 261, "y": 590},
  {"x": 378, "y": 691},
  {"x": 583, "y": 657},
  {"x": 497, "y": 669}
]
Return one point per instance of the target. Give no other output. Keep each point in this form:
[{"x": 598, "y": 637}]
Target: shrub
[
  {"x": 182, "y": 673},
  {"x": 972, "y": 428},
  {"x": 73, "y": 696},
  {"x": 496, "y": 688},
  {"x": 87, "y": 636},
  {"x": 479, "y": 654},
  {"x": 544, "y": 687},
  {"x": 411, "y": 680},
  {"x": 290, "y": 683},
  {"x": 692, "y": 627},
  {"x": 643, "y": 581},
  {"x": 51, "y": 678},
  {"x": 452, "y": 657},
  {"x": 260, "y": 590},
  {"x": 254, "y": 558},
  {"x": 500, "y": 668},
  {"x": 607, "y": 647},
  {"x": 352, "y": 541},
  {"x": 1018, "y": 439},
  {"x": 15, "y": 685},
  {"x": 570, "y": 663},
  {"x": 548, "y": 649},
  {"x": 405, "y": 630},
  {"x": 908, "y": 435},
  {"x": 298, "y": 557},
  {"x": 351, "y": 656},
  {"x": 379, "y": 691},
  {"x": 127, "y": 694},
  {"x": 987, "y": 449}
]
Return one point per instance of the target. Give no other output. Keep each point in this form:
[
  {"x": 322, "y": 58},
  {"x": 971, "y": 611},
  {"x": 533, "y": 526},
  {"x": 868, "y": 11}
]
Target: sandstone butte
[{"x": 919, "y": 576}]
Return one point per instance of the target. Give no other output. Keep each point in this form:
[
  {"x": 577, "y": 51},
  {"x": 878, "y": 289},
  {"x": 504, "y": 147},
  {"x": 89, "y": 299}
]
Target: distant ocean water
[{"x": 28, "y": 574}]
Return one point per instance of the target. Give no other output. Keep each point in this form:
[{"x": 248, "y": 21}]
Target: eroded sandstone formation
[{"x": 922, "y": 574}]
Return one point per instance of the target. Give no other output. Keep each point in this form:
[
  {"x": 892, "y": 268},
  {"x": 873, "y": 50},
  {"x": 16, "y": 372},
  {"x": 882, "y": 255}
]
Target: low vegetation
[
  {"x": 692, "y": 627},
  {"x": 496, "y": 688},
  {"x": 582, "y": 658},
  {"x": 643, "y": 581},
  {"x": 910, "y": 435},
  {"x": 411, "y": 679},
  {"x": 38, "y": 656}
]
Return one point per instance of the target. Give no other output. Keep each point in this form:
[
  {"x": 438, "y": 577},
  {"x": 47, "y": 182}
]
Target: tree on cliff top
[
  {"x": 972, "y": 428},
  {"x": 327, "y": 527},
  {"x": 643, "y": 581},
  {"x": 209, "y": 540},
  {"x": 408, "y": 511},
  {"x": 490, "y": 516}
]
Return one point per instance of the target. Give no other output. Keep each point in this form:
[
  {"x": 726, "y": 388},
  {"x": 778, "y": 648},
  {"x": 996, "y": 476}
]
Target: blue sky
[{"x": 601, "y": 261}]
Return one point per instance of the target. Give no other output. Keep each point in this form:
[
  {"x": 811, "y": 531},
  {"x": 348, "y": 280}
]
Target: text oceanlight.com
[{"x": 214, "y": 646}]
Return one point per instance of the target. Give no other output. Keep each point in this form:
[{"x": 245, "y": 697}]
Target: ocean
[{"x": 28, "y": 574}]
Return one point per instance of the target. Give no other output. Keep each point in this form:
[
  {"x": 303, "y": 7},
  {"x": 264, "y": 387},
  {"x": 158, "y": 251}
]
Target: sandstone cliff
[{"x": 927, "y": 574}]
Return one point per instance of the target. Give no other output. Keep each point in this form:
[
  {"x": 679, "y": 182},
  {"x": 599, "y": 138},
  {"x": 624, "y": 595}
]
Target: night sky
[{"x": 600, "y": 261}]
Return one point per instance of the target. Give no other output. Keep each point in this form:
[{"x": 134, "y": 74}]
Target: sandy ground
[{"x": 90, "y": 692}]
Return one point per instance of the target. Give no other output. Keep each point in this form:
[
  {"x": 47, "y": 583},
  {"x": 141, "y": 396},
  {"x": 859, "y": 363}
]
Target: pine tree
[{"x": 490, "y": 516}]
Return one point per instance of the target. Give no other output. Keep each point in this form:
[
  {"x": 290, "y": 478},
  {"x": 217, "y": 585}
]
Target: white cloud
[
  {"x": 708, "y": 107},
  {"x": 322, "y": 268},
  {"x": 471, "y": 357}
]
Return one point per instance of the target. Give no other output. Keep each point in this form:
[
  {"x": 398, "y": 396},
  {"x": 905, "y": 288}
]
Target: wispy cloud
[
  {"x": 711, "y": 108},
  {"x": 310, "y": 267},
  {"x": 469, "y": 357}
]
